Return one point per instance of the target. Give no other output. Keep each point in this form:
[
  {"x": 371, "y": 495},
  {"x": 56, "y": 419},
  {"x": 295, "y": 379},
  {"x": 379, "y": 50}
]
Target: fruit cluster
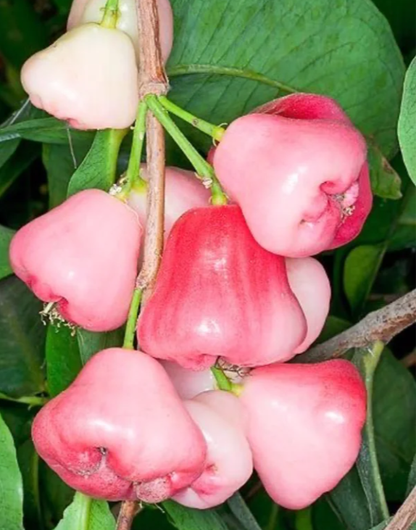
[{"x": 237, "y": 295}]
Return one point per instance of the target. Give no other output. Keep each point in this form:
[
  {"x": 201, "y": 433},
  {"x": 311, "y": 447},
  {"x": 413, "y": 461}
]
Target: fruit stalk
[
  {"x": 133, "y": 168},
  {"x": 152, "y": 80},
  {"x": 110, "y": 14},
  {"x": 204, "y": 170}
]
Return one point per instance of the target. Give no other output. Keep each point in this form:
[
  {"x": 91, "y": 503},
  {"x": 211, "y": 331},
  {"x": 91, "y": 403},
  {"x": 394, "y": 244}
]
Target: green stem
[
  {"x": 204, "y": 170},
  {"x": 215, "y": 131},
  {"x": 221, "y": 379},
  {"x": 367, "y": 463},
  {"x": 34, "y": 401},
  {"x": 110, "y": 16},
  {"x": 133, "y": 169},
  {"x": 84, "y": 513},
  {"x": 129, "y": 334}
]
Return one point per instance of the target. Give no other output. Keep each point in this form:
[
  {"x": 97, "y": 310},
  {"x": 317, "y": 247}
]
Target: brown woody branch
[
  {"x": 153, "y": 80},
  {"x": 382, "y": 325},
  {"x": 406, "y": 515}
]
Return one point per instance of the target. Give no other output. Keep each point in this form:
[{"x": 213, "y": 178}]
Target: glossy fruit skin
[
  {"x": 72, "y": 256},
  {"x": 88, "y": 78},
  {"x": 120, "y": 431},
  {"x": 229, "y": 462},
  {"x": 85, "y": 11},
  {"x": 189, "y": 383},
  {"x": 183, "y": 191},
  {"x": 310, "y": 283},
  {"x": 304, "y": 427},
  {"x": 218, "y": 293},
  {"x": 301, "y": 161}
]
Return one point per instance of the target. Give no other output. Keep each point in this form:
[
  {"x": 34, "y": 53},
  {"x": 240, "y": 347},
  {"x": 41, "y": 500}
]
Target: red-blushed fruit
[
  {"x": 304, "y": 427},
  {"x": 88, "y": 77},
  {"x": 219, "y": 293},
  {"x": 311, "y": 286},
  {"x": 229, "y": 464},
  {"x": 84, "y": 11},
  {"x": 183, "y": 191},
  {"x": 120, "y": 431},
  {"x": 82, "y": 255},
  {"x": 297, "y": 167}
]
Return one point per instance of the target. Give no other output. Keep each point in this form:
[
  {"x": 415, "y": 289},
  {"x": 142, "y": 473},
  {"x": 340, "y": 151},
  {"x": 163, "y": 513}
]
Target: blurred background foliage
[{"x": 373, "y": 270}]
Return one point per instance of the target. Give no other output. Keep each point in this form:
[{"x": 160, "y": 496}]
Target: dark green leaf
[
  {"x": 5, "y": 237},
  {"x": 61, "y": 161},
  {"x": 242, "y": 512},
  {"x": 404, "y": 236},
  {"x": 22, "y": 340},
  {"x": 394, "y": 421},
  {"x": 367, "y": 464},
  {"x": 349, "y": 502},
  {"x": 63, "y": 361},
  {"x": 385, "y": 181},
  {"x": 7, "y": 149},
  {"x": 411, "y": 483},
  {"x": 21, "y": 31},
  {"x": 191, "y": 519},
  {"x": 29, "y": 465},
  {"x": 360, "y": 270},
  {"x": 56, "y": 495},
  {"x": 45, "y": 130},
  {"x": 17, "y": 164},
  {"x": 98, "y": 169},
  {"x": 88, "y": 514},
  {"x": 401, "y": 15},
  {"x": 314, "y": 46},
  {"x": 152, "y": 517},
  {"x": 11, "y": 498},
  {"x": 90, "y": 343},
  {"x": 407, "y": 121}
]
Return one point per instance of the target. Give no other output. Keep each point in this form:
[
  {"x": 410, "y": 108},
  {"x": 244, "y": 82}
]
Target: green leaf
[
  {"x": 407, "y": 121},
  {"x": 11, "y": 498},
  {"x": 22, "y": 340},
  {"x": 45, "y": 130},
  {"x": 191, "y": 519},
  {"x": 5, "y": 237},
  {"x": 17, "y": 164},
  {"x": 360, "y": 270},
  {"x": 7, "y": 149},
  {"x": 349, "y": 502},
  {"x": 60, "y": 162},
  {"x": 63, "y": 361},
  {"x": 385, "y": 181},
  {"x": 29, "y": 465},
  {"x": 394, "y": 421},
  {"x": 21, "y": 31},
  {"x": 90, "y": 342},
  {"x": 404, "y": 236},
  {"x": 98, "y": 169},
  {"x": 242, "y": 512},
  {"x": 411, "y": 483},
  {"x": 86, "y": 513},
  {"x": 367, "y": 464},
  {"x": 342, "y": 48}
]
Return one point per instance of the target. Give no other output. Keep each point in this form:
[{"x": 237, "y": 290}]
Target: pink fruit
[
  {"x": 304, "y": 427},
  {"x": 120, "y": 431},
  {"x": 229, "y": 460},
  {"x": 88, "y": 77},
  {"x": 84, "y": 11},
  {"x": 83, "y": 256},
  {"x": 189, "y": 383},
  {"x": 309, "y": 282},
  {"x": 297, "y": 167},
  {"x": 182, "y": 192},
  {"x": 219, "y": 293}
]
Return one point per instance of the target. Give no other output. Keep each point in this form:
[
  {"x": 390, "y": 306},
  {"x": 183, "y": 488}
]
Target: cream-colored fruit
[
  {"x": 88, "y": 78},
  {"x": 84, "y": 11}
]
